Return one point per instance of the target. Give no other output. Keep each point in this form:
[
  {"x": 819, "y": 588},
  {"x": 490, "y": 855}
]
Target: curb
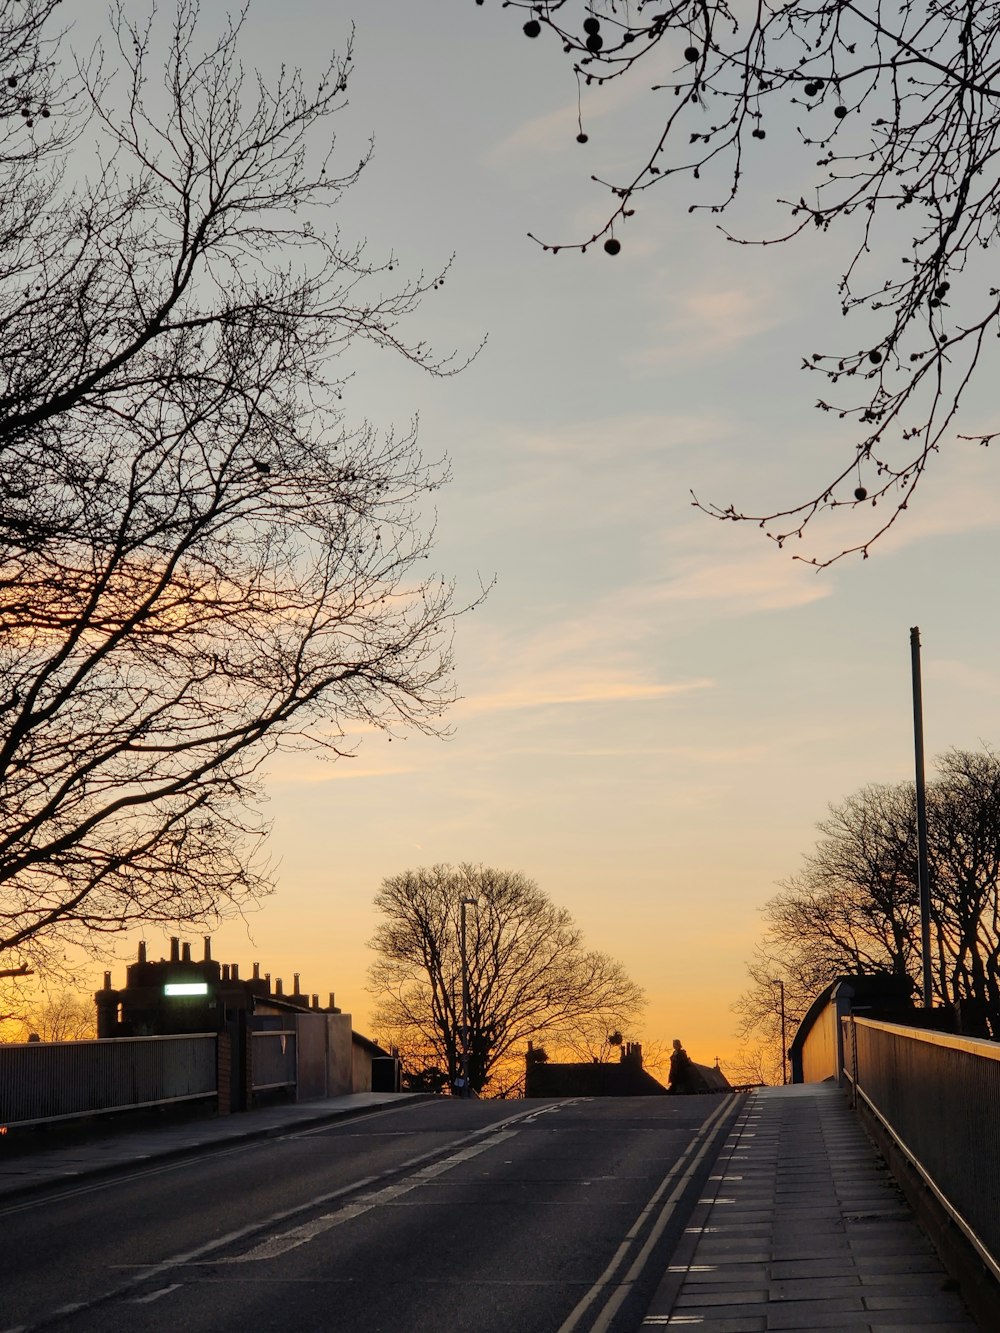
[{"x": 239, "y": 1134}]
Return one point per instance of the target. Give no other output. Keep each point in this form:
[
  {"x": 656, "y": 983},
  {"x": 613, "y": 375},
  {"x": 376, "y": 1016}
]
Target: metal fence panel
[
  {"x": 273, "y": 1059},
  {"x": 939, "y": 1096},
  {"x": 42, "y": 1081}
]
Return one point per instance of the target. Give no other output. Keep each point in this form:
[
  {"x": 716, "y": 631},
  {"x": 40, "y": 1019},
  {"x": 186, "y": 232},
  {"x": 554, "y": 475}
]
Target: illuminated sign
[{"x": 186, "y": 988}]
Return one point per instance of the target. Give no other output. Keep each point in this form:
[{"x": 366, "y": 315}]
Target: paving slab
[{"x": 802, "y": 1227}]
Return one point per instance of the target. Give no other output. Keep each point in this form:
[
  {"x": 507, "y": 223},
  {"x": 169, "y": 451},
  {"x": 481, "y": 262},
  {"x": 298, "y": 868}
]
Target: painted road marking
[
  {"x": 280, "y": 1244},
  {"x": 199, "y": 1255},
  {"x": 683, "y": 1170},
  {"x": 155, "y": 1295}
]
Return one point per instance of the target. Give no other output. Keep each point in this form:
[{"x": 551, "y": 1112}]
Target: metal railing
[
  {"x": 939, "y": 1097},
  {"x": 273, "y": 1059},
  {"x": 44, "y": 1081}
]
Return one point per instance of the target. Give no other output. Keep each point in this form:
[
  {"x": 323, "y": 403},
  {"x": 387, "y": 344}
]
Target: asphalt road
[{"x": 503, "y": 1217}]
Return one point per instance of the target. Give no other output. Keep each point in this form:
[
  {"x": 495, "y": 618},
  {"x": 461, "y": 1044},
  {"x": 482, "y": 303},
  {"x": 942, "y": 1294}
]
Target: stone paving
[{"x": 802, "y": 1228}]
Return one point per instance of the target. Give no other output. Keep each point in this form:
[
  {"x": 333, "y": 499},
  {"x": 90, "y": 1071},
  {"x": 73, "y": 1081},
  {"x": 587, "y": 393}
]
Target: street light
[
  {"x": 923, "y": 872},
  {"x": 466, "y": 1090},
  {"x": 776, "y": 981}
]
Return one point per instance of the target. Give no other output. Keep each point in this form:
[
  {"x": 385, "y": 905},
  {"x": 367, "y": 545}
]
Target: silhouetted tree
[
  {"x": 529, "y": 975},
  {"x": 883, "y": 122},
  {"x": 60, "y": 1016},
  {"x": 202, "y": 558},
  {"x": 963, "y": 815},
  {"x": 854, "y": 906}
]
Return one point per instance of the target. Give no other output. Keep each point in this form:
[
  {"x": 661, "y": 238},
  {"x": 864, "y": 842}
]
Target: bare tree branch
[
  {"x": 203, "y": 557},
  {"x": 895, "y": 109}
]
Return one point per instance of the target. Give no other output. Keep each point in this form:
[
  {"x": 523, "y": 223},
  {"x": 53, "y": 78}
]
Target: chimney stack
[
  {"x": 185, "y": 953},
  {"x": 278, "y": 986},
  {"x": 256, "y": 971},
  {"x": 208, "y": 949},
  {"x": 234, "y": 972},
  {"x": 315, "y": 1001},
  {"x": 295, "y": 980},
  {"x": 332, "y": 1004},
  {"x": 142, "y": 951},
  {"x": 225, "y": 971},
  {"x": 175, "y": 949}
]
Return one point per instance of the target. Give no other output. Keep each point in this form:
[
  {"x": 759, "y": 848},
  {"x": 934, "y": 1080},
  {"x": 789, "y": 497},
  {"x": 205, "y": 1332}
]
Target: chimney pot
[
  {"x": 208, "y": 948},
  {"x": 107, "y": 981},
  {"x": 315, "y": 1001},
  {"x": 185, "y": 953},
  {"x": 267, "y": 982},
  {"x": 142, "y": 951},
  {"x": 332, "y": 1001},
  {"x": 225, "y": 971},
  {"x": 175, "y": 949},
  {"x": 295, "y": 981},
  {"x": 234, "y": 972},
  {"x": 256, "y": 971},
  {"x": 278, "y": 986}
]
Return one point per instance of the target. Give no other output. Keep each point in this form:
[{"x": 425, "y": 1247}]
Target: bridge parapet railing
[
  {"x": 938, "y": 1095},
  {"x": 45, "y": 1081}
]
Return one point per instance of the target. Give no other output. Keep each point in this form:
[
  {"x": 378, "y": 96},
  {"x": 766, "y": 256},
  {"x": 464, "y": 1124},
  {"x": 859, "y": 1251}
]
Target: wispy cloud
[
  {"x": 633, "y": 435},
  {"x": 764, "y": 581},
  {"x": 554, "y": 130},
  {"x": 561, "y": 693},
  {"x": 305, "y": 770},
  {"x": 708, "y": 320}
]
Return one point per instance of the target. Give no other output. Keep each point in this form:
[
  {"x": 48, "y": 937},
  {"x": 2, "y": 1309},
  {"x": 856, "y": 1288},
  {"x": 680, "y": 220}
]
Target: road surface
[{"x": 502, "y": 1217}]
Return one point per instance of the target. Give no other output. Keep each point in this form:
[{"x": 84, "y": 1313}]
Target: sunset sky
[{"x": 656, "y": 708}]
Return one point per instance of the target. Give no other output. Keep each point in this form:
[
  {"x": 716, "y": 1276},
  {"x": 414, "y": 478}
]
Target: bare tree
[
  {"x": 203, "y": 558},
  {"x": 964, "y": 833},
  {"x": 63, "y": 1015},
  {"x": 894, "y": 111},
  {"x": 853, "y": 909},
  {"x": 756, "y": 1064},
  {"x": 528, "y": 973}
]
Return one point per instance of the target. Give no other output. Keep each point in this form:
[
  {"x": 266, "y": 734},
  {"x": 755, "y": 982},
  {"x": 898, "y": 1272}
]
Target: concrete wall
[
  {"x": 325, "y": 1055},
  {"x": 361, "y": 1069},
  {"x": 312, "y": 1046},
  {"x": 819, "y": 1051},
  {"x": 340, "y": 1074}
]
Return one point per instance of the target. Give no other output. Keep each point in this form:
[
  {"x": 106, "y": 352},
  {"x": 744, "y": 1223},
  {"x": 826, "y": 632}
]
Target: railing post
[{"x": 224, "y": 1073}]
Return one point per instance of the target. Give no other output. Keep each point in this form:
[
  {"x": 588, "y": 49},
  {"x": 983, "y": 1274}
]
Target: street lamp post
[
  {"x": 466, "y": 902},
  {"x": 784, "y": 1043},
  {"x": 923, "y": 873}
]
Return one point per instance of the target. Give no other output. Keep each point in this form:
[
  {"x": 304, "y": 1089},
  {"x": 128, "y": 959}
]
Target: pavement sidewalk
[
  {"x": 802, "y": 1227},
  {"x": 26, "y": 1165}
]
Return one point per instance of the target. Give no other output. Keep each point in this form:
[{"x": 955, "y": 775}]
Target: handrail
[
  {"x": 937, "y": 1095},
  {"x": 983, "y": 1046}
]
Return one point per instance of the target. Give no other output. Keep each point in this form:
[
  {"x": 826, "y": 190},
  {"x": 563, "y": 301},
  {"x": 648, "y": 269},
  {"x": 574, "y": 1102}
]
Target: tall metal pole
[
  {"x": 784, "y": 1040},
  {"x": 466, "y": 1090},
  {"x": 923, "y": 874}
]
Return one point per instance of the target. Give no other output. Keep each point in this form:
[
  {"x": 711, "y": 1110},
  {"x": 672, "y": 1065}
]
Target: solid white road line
[
  {"x": 155, "y": 1295},
  {"x": 289, "y": 1240}
]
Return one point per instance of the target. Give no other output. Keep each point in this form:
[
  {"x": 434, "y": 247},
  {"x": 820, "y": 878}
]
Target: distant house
[
  {"x": 625, "y": 1077},
  {"x": 277, "y": 1044}
]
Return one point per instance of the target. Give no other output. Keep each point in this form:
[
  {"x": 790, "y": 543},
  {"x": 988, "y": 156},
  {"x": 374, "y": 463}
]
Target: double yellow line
[{"x": 614, "y": 1289}]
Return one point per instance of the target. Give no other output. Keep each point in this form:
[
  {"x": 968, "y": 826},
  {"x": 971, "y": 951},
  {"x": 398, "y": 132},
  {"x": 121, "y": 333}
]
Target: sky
[{"x": 656, "y": 708}]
